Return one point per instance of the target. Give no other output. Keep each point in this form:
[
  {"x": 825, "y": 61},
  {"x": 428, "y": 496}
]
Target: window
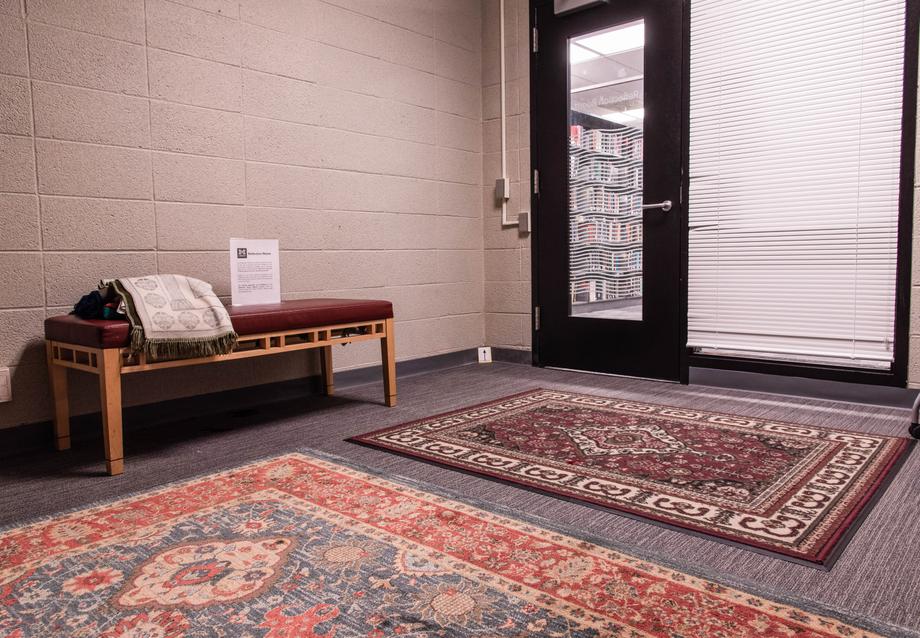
[{"x": 795, "y": 150}]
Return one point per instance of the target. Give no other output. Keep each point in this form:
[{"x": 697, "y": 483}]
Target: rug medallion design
[
  {"x": 298, "y": 547},
  {"x": 786, "y": 488}
]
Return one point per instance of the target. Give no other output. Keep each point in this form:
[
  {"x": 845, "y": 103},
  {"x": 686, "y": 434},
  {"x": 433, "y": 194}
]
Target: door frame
[
  {"x": 535, "y": 207},
  {"x": 897, "y": 376}
]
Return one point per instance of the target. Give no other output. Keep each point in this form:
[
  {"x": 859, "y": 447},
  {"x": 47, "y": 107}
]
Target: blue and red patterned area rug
[
  {"x": 790, "y": 489},
  {"x": 300, "y": 547}
]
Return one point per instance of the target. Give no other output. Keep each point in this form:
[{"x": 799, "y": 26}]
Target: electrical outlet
[
  {"x": 6, "y": 388},
  {"x": 485, "y": 355}
]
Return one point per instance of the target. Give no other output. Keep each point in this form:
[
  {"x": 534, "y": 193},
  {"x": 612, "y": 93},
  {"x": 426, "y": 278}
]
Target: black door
[{"x": 608, "y": 151}]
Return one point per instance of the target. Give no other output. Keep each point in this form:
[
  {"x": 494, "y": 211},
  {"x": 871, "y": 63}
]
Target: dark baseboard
[
  {"x": 510, "y": 355},
  {"x": 371, "y": 374},
  {"x": 86, "y": 427},
  {"x": 797, "y": 386},
  {"x": 772, "y": 383}
]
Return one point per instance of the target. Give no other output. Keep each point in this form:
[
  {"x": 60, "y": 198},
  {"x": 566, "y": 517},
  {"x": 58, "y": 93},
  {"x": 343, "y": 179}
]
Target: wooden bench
[{"x": 101, "y": 347}]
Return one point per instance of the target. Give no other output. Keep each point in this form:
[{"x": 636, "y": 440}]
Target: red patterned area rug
[
  {"x": 299, "y": 547},
  {"x": 785, "y": 488}
]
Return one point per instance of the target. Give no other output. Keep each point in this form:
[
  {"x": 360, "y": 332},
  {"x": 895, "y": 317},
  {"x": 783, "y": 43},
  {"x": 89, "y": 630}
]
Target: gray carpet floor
[{"x": 875, "y": 581}]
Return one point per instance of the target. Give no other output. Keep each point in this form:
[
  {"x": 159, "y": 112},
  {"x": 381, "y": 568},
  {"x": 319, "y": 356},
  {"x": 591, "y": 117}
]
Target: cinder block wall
[
  {"x": 138, "y": 136},
  {"x": 507, "y": 253}
]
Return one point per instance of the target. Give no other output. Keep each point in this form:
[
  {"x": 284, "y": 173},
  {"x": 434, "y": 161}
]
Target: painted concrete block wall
[
  {"x": 138, "y": 136},
  {"x": 506, "y": 251}
]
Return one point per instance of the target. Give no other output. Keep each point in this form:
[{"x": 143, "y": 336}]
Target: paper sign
[{"x": 254, "y": 274}]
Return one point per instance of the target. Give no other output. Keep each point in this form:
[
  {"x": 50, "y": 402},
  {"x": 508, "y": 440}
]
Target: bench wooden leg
[
  {"x": 326, "y": 358},
  {"x": 110, "y": 398},
  {"x": 388, "y": 357},
  {"x": 58, "y": 377}
]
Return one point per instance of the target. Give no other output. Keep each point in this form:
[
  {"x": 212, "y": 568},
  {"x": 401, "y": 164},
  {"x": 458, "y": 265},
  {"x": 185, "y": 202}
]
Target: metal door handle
[{"x": 666, "y": 205}]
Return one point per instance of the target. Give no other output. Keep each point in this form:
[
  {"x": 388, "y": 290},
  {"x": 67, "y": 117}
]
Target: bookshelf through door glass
[{"x": 606, "y": 114}]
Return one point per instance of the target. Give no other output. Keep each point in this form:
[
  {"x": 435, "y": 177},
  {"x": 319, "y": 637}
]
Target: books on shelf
[
  {"x": 624, "y": 142},
  {"x": 599, "y": 199},
  {"x": 589, "y": 228},
  {"x": 605, "y": 206},
  {"x": 589, "y": 168}
]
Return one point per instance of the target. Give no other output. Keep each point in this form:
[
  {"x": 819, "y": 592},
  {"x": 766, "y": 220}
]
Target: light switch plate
[
  {"x": 485, "y": 355},
  {"x": 6, "y": 388}
]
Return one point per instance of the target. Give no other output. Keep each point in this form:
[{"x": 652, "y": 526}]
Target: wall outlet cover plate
[
  {"x": 6, "y": 388},
  {"x": 485, "y": 355}
]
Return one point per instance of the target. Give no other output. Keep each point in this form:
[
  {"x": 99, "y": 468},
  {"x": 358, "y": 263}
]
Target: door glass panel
[{"x": 606, "y": 112}]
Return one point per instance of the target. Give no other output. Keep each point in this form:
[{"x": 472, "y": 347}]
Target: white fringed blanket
[{"x": 174, "y": 316}]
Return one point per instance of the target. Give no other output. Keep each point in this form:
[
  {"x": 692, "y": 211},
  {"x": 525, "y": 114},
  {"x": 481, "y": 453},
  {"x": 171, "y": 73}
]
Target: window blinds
[{"x": 795, "y": 127}]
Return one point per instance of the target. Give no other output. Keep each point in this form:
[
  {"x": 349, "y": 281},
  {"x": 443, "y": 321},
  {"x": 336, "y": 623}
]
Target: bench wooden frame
[{"x": 110, "y": 363}]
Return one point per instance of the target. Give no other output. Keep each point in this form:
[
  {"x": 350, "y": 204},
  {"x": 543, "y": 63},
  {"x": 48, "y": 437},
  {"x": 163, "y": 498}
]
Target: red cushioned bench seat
[
  {"x": 101, "y": 347},
  {"x": 247, "y": 320}
]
